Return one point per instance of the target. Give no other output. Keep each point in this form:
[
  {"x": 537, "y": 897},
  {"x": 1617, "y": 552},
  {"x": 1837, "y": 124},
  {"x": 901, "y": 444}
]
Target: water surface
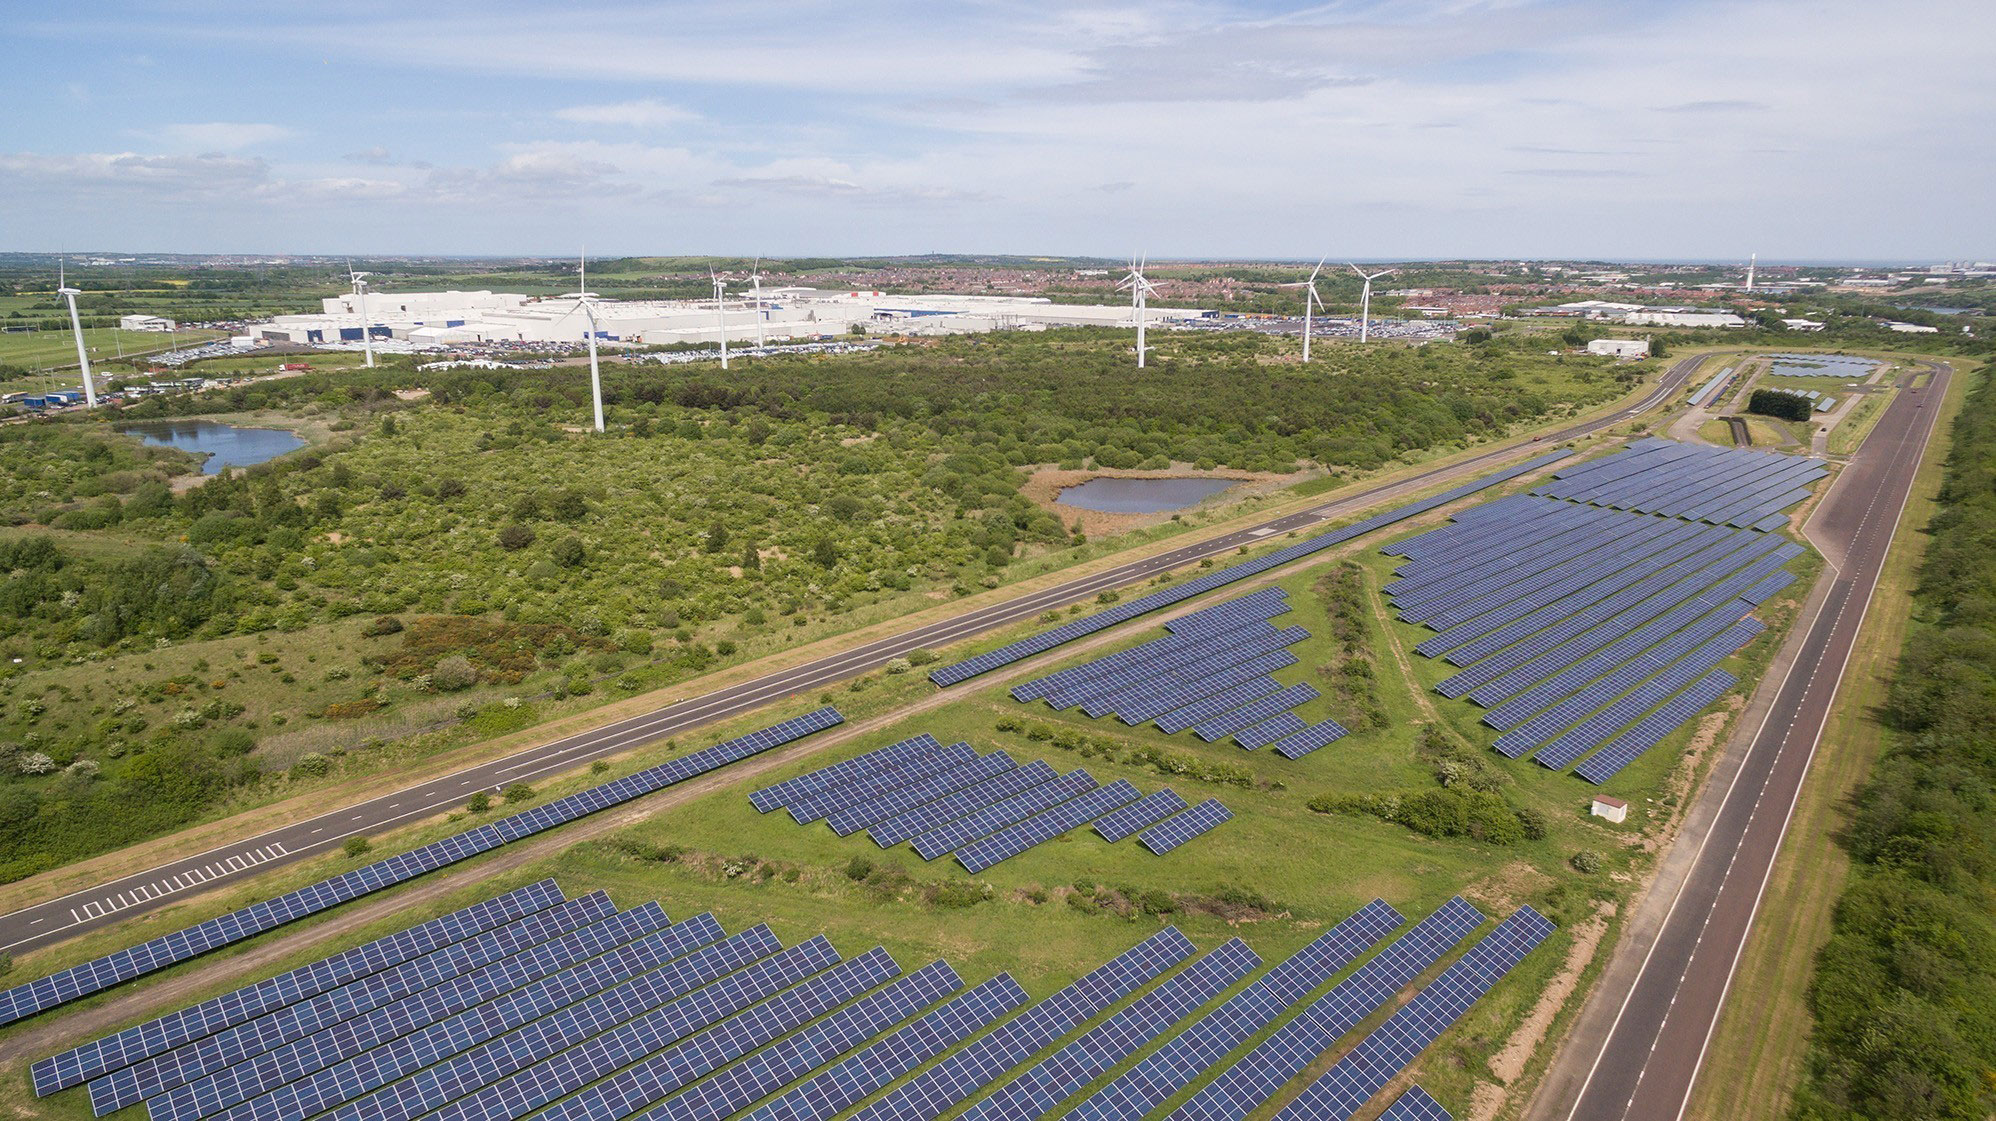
[
  {"x": 1110, "y": 495},
  {"x": 225, "y": 445}
]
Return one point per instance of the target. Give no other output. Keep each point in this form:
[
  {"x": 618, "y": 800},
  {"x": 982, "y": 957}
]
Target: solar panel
[
  {"x": 1175, "y": 831},
  {"x": 1187, "y": 589},
  {"x": 901, "y": 799},
  {"x": 373, "y": 1069},
  {"x": 1320, "y": 734},
  {"x": 775, "y": 796},
  {"x": 1213, "y": 1036},
  {"x": 855, "y": 1078},
  {"x": 1227, "y": 723},
  {"x": 956, "y": 834},
  {"x": 1045, "y": 826},
  {"x": 169, "y": 949},
  {"x": 1181, "y": 705},
  {"x": 969, "y": 800},
  {"x": 80, "y": 1064},
  {"x": 1415, "y": 1105},
  {"x": 644, "y": 1083},
  {"x": 809, "y": 808},
  {"x": 645, "y": 998},
  {"x": 942, "y": 1087},
  {"x": 1589, "y": 734},
  {"x": 1280, "y": 726},
  {"x": 246, "y": 1079},
  {"x": 741, "y": 1084},
  {"x": 1145, "y": 811},
  {"x": 1366, "y": 1070},
  {"x": 247, "y": 1040},
  {"x": 1650, "y": 730},
  {"x": 1266, "y": 603},
  {"x": 1039, "y": 1088},
  {"x": 1253, "y": 1078},
  {"x": 1142, "y": 693}
]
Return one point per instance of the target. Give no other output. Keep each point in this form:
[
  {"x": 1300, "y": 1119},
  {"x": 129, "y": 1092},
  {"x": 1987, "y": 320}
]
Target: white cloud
[
  {"x": 646, "y": 113},
  {"x": 222, "y": 136}
]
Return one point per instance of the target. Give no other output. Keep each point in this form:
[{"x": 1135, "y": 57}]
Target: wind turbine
[
  {"x": 755, "y": 283},
  {"x": 1365, "y": 301},
  {"x": 1310, "y": 300},
  {"x": 586, "y": 301},
  {"x": 1752, "y": 260},
  {"x": 359, "y": 280},
  {"x": 721, "y": 309},
  {"x": 1140, "y": 290},
  {"x": 76, "y": 324}
]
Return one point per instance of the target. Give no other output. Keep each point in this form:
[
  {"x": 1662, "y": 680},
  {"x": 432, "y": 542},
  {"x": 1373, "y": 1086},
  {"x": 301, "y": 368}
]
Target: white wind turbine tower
[
  {"x": 63, "y": 289},
  {"x": 586, "y": 301},
  {"x": 755, "y": 283},
  {"x": 359, "y": 280},
  {"x": 1311, "y": 301},
  {"x": 1752, "y": 260},
  {"x": 1365, "y": 301},
  {"x": 1140, "y": 290},
  {"x": 721, "y": 310}
]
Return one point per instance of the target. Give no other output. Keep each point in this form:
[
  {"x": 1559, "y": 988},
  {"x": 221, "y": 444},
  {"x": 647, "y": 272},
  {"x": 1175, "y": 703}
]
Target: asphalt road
[
  {"x": 89, "y": 909},
  {"x": 1660, "y": 1014}
]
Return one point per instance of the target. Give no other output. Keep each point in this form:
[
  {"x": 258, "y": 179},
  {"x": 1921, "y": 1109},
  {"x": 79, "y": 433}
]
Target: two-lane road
[
  {"x": 72, "y": 914},
  {"x": 1636, "y": 1049}
]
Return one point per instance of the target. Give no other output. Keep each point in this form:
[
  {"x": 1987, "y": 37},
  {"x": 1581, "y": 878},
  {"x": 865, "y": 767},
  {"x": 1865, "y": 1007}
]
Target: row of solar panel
[
  {"x": 1216, "y": 684},
  {"x": 1180, "y": 592},
  {"x": 705, "y": 1026},
  {"x": 1821, "y": 366},
  {"x": 1729, "y": 486},
  {"x": 123, "y": 965},
  {"x": 1588, "y": 633},
  {"x": 983, "y": 809},
  {"x": 1710, "y": 389}
]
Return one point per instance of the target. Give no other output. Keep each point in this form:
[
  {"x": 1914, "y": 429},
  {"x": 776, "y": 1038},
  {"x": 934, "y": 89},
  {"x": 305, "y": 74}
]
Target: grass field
[
  {"x": 39, "y": 349},
  {"x": 1754, "y": 1062}
]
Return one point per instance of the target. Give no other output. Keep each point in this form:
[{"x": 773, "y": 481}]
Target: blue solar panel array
[
  {"x": 964, "y": 802},
  {"x": 116, "y": 968},
  {"x": 741, "y": 1084},
  {"x": 1252, "y": 1079},
  {"x": 1040, "y": 1087},
  {"x": 901, "y": 799},
  {"x": 630, "y": 1017},
  {"x": 1846, "y": 366},
  {"x": 1320, "y": 734},
  {"x": 951, "y": 836},
  {"x": 1210, "y": 1038},
  {"x": 1043, "y": 827},
  {"x": 1381, "y": 1055},
  {"x": 1182, "y": 591},
  {"x": 80, "y": 1064},
  {"x": 942, "y": 1087},
  {"x": 328, "y": 1088},
  {"x": 1145, "y": 811},
  {"x": 1175, "y": 831},
  {"x": 852, "y": 1080},
  {"x": 1585, "y": 628}
]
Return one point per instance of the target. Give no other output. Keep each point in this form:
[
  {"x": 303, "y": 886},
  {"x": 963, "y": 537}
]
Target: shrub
[
  {"x": 357, "y": 846},
  {"x": 1586, "y": 861},
  {"x": 513, "y": 538},
  {"x": 385, "y": 625},
  {"x": 312, "y": 765},
  {"x": 479, "y": 802},
  {"x": 858, "y": 868},
  {"x": 453, "y": 674},
  {"x": 569, "y": 552},
  {"x": 517, "y": 792}
]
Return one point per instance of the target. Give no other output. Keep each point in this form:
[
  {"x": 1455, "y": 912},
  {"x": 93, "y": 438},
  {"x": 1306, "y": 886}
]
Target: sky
[{"x": 1396, "y": 129}]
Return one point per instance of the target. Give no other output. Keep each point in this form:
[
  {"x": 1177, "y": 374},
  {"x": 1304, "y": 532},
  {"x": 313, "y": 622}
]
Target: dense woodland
[
  {"x": 476, "y": 536},
  {"x": 1905, "y": 992}
]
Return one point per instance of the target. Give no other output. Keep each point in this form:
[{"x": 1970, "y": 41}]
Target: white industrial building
[
  {"x": 1682, "y": 318},
  {"x": 425, "y": 320},
  {"x": 1620, "y": 348},
  {"x": 145, "y": 323}
]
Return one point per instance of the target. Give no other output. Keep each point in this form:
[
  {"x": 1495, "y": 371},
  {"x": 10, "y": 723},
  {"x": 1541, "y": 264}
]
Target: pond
[
  {"x": 225, "y": 445},
  {"x": 1109, "y": 495}
]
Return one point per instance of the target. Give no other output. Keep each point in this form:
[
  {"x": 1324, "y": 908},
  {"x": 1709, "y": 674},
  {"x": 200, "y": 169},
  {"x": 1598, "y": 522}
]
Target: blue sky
[{"x": 1813, "y": 129}]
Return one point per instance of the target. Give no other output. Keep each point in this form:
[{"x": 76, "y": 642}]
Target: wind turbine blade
[{"x": 1318, "y": 269}]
